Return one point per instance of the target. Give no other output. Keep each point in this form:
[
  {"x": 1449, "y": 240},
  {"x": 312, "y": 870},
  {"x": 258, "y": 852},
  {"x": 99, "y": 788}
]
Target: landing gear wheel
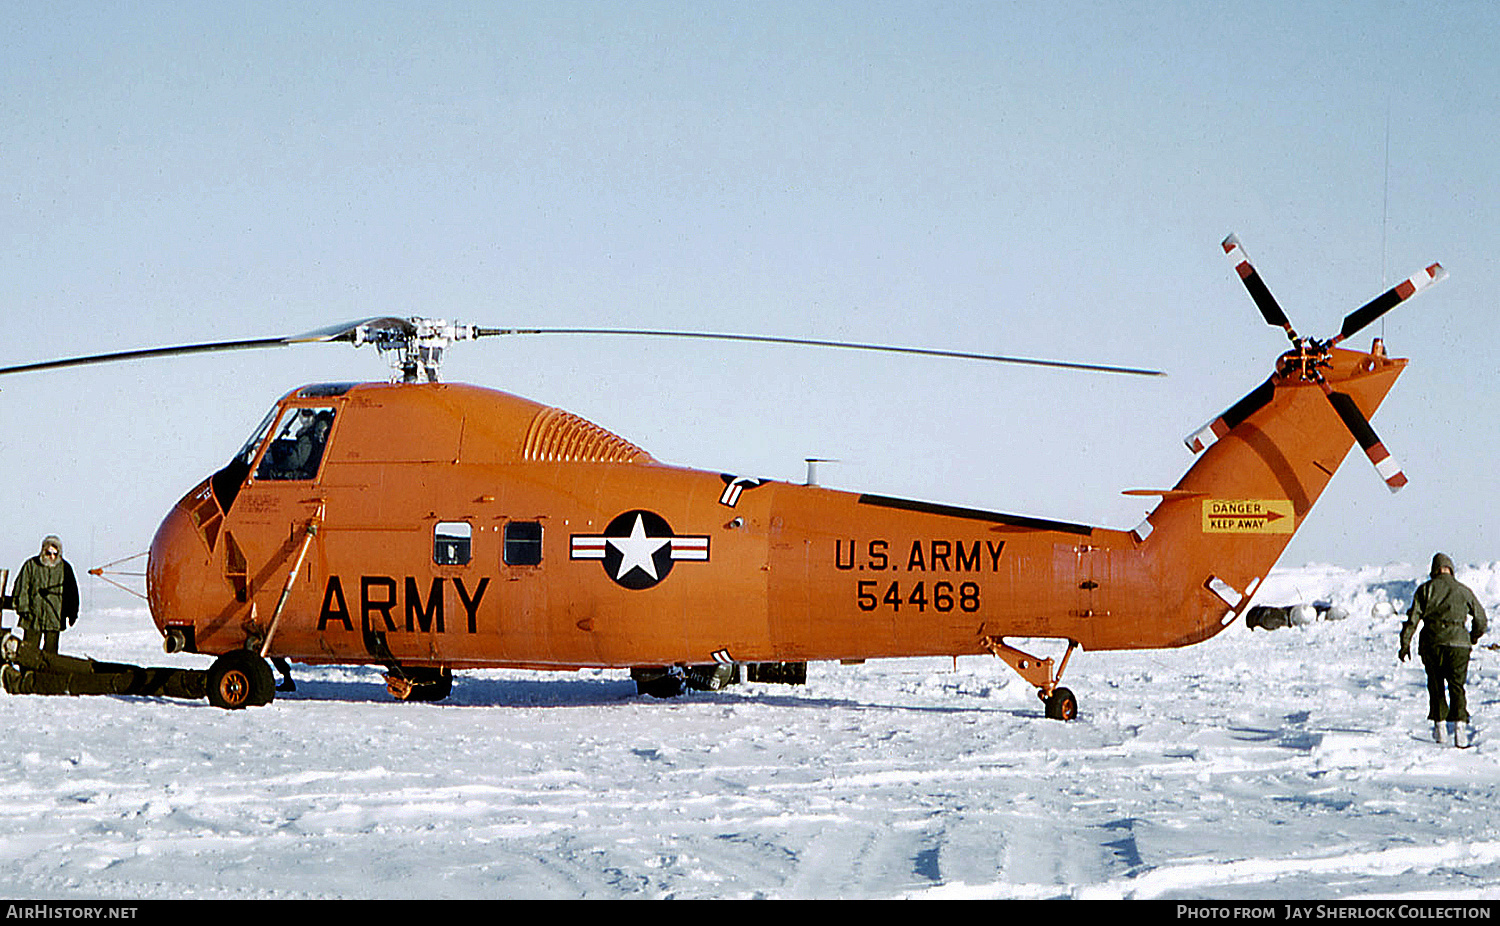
[
  {"x": 1062, "y": 705},
  {"x": 659, "y": 681},
  {"x": 713, "y": 677},
  {"x": 240, "y": 679}
]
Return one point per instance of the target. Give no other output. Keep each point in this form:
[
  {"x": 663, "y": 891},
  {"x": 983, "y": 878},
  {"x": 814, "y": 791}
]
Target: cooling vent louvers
[{"x": 555, "y": 436}]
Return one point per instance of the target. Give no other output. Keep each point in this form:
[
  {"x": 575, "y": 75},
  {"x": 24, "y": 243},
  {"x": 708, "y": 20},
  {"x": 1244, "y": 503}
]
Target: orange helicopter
[{"x": 432, "y": 527}]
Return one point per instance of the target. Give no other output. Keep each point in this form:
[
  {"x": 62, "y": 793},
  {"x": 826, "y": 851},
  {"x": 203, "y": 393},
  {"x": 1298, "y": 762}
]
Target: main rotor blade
[
  {"x": 1388, "y": 300},
  {"x": 1359, "y": 426},
  {"x": 810, "y": 342},
  {"x": 349, "y": 331},
  {"x": 1269, "y": 308},
  {"x": 147, "y": 352},
  {"x": 355, "y": 330}
]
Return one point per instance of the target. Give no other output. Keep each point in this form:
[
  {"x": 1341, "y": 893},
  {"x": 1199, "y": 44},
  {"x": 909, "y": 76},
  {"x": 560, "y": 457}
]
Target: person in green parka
[
  {"x": 1452, "y": 621},
  {"x": 45, "y": 596}
]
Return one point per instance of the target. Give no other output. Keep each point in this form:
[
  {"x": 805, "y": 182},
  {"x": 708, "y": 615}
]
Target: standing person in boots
[
  {"x": 46, "y": 595},
  {"x": 1444, "y": 607}
]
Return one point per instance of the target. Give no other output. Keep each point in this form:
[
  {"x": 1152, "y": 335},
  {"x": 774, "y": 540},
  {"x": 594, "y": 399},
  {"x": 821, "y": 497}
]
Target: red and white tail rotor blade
[
  {"x": 1388, "y": 300},
  {"x": 1269, "y": 308},
  {"x": 1253, "y": 402},
  {"x": 1359, "y": 426}
]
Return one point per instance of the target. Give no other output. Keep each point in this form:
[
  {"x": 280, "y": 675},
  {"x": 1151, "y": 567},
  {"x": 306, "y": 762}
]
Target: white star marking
[{"x": 637, "y": 550}]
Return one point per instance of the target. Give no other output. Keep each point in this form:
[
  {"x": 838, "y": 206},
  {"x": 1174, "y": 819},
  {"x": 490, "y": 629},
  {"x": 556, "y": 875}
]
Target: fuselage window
[
  {"x": 297, "y": 447},
  {"x": 452, "y": 543},
  {"x": 523, "y": 543}
]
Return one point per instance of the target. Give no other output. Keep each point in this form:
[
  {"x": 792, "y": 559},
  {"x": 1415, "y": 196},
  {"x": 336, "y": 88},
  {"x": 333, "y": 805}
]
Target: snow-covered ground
[{"x": 1285, "y": 764}]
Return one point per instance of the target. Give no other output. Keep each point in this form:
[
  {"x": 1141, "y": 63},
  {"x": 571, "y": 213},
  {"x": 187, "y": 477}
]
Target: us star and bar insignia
[{"x": 638, "y": 549}]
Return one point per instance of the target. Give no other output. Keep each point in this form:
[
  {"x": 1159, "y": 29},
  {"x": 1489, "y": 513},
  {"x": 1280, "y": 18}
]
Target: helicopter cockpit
[
  {"x": 297, "y": 447},
  {"x": 294, "y": 452}
]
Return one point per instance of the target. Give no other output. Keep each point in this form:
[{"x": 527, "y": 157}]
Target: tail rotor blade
[
  {"x": 1269, "y": 308},
  {"x": 1253, "y": 402},
  {"x": 1388, "y": 300},
  {"x": 1359, "y": 426}
]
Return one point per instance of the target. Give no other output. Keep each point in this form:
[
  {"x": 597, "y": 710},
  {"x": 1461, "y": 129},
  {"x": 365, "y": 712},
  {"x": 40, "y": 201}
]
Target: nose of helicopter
[{"x": 178, "y": 559}]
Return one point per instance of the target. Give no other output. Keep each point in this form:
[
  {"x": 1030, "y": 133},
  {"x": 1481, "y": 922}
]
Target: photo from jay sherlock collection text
[{"x": 1292, "y": 912}]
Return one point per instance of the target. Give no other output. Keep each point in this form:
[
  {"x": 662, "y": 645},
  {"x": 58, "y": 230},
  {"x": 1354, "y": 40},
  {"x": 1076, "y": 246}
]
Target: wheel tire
[
  {"x": 712, "y": 677},
  {"x": 240, "y": 679},
  {"x": 1062, "y": 705},
  {"x": 662, "y": 682}
]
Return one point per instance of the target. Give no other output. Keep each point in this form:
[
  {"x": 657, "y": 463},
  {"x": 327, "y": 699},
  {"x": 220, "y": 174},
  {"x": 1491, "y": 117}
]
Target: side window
[
  {"x": 452, "y": 543},
  {"x": 523, "y": 543},
  {"x": 296, "y": 448}
]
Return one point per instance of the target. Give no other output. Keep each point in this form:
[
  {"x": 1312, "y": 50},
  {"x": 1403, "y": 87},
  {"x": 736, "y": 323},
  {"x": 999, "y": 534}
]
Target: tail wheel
[
  {"x": 240, "y": 679},
  {"x": 1062, "y": 705}
]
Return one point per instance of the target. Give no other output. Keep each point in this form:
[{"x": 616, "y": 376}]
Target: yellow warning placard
[{"x": 1248, "y": 516}]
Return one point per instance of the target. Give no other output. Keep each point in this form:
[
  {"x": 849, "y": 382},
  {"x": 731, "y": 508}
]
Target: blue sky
[{"x": 1038, "y": 179}]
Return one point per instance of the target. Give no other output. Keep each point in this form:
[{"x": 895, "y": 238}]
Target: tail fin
[{"x": 1264, "y": 464}]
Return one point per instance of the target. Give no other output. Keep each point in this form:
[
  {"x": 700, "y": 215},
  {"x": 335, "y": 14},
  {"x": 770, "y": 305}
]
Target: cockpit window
[
  {"x": 324, "y": 390},
  {"x": 247, "y": 452},
  {"x": 297, "y": 447},
  {"x": 227, "y": 481}
]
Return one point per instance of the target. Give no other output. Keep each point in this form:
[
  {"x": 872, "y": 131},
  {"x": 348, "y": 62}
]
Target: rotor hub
[
  {"x": 415, "y": 347},
  {"x": 1305, "y": 361}
]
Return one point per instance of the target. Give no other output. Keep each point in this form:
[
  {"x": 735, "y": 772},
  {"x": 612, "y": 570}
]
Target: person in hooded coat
[
  {"x": 1452, "y": 621},
  {"x": 45, "y": 597}
]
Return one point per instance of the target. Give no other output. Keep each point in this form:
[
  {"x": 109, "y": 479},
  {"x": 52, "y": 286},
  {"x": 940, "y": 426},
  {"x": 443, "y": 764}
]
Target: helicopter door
[{"x": 1074, "y": 566}]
